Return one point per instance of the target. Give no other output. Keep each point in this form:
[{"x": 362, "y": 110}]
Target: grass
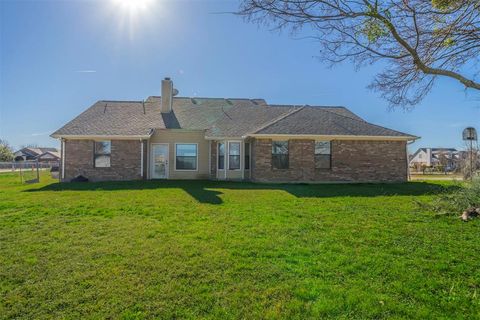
[{"x": 197, "y": 249}]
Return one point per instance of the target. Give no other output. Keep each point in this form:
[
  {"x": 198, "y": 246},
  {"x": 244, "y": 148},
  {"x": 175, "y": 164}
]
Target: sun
[{"x": 133, "y": 6}]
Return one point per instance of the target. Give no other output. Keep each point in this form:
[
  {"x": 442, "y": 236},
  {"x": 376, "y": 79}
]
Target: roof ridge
[
  {"x": 283, "y": 116},
  {"x": 342, "y": 115},
  {"x": 372, "y": 124}
]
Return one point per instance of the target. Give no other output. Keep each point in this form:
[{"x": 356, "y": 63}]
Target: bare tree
[
  {"x": 419, "y": 40},
  {"x": 469, "y": 162}
]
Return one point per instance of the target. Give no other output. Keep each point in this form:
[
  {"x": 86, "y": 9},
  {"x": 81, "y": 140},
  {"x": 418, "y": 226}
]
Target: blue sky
[{"x": 59, "y": 57}]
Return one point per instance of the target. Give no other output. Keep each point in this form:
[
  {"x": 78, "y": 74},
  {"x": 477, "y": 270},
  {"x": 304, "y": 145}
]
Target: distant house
[
  {"x": 40, "y": 154},
  {"x": 171, "y": 137},
  {"x": 447, "y": 158},
  {"x": 49, "y": 156}
]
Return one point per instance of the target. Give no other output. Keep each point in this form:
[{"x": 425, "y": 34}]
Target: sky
[{"x": 57, "y": 58}]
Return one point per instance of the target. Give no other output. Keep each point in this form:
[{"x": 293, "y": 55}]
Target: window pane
[
  {"x": 234, "y": 155},
  {"x": 280, "y": 147},
  {"x": 221, "y": 162},
  {"x": 221, "y": 156},
  {"x": 247, "y": 156},
  {"x": 322, "y": 161},
  {"x": 234, "y": 148},
  {"x": 186, "y": 163},
  {"x": 187, "y": 150},
  {"x": 102, "y": 147},
  {"x": 234, "y": 162},
  {"x": 186, "y": 157},
  {"x": 102, "y": 161},
  {"x": 322, "y": 147},
  {"x": 280, "y": 161}
]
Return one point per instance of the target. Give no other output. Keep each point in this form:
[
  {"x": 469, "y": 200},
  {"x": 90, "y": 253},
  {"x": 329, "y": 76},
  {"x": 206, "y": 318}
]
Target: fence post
[{"x": 38, "y": 173}]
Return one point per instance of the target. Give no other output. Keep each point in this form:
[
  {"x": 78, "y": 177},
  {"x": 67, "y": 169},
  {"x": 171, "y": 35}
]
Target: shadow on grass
[{"x": 205, "y": 191}]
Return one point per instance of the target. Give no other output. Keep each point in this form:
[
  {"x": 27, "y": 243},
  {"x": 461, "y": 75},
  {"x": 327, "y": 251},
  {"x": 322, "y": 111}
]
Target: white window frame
[
  {"x": 330, "y": 154},
  {"x": 95, "y": 153},
  {"x": 288, "y": 149},
  {"x": 175, "y": 157},
  {"x": 228, "y": 155}
]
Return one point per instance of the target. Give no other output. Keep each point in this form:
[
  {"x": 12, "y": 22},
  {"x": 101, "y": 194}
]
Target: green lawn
[{"x": 197, "y": 249}]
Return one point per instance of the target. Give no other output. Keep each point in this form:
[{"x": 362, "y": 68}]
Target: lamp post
[{"x": 470, "y": 134}]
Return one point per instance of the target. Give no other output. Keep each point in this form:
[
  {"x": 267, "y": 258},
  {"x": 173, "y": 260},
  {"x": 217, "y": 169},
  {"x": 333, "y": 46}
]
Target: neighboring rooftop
[
  {"x": 37, "y": 150},
  {"x": 219, "y": 117}
]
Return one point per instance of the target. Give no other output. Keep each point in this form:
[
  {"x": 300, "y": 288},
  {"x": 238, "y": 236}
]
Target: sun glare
[{"x": 133, "y": 6}]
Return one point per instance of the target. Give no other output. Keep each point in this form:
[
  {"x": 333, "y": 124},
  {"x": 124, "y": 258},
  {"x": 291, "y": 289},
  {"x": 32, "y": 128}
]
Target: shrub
[{"x": 467, "y": 195}]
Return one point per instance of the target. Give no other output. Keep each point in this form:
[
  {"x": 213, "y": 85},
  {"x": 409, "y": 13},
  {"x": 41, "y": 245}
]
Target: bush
[{"x": 466, "y": 196}]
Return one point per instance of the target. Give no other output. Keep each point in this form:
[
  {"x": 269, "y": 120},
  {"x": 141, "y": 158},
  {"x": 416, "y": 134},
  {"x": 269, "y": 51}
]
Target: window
[
  {"x": 247, "y": 156},
  {"x": 234, "y": 155},
  {"x": 323, "y": 155},
  {"x": 221, "y": 155},
  {"x": 280, "y": 154},
  {"x": 102, "y": 153},
  {"x": 186, "y": 156}
]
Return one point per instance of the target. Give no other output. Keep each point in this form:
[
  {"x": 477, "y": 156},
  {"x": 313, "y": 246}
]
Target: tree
[
  {"x": 470, "y": 160},
  {"x": 418, "y": 40},
  {"x": 6, "y": 153}
]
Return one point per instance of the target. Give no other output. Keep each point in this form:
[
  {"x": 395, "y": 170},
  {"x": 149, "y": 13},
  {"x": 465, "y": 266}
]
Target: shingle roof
[
  {"x": 219, "y": 118},
  {"x": 35, "y": 151},
  {"x": 114, "y": 118},
  {"x": 327, "y": 121}
]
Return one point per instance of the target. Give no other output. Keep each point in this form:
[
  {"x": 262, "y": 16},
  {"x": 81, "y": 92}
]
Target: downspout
[
  {"x": 63, "y": 159},
  {"x": 408, "y": 160}
]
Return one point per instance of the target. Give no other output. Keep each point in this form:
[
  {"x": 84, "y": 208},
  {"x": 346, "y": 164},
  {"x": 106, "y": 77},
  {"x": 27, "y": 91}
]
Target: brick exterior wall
[
  {"x": 124, "y": 162},
  {"x": 352, "y": 161}
]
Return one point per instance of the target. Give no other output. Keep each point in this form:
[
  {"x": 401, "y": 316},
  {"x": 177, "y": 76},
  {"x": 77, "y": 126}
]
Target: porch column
[
  {"x": 141, "y": 158},
  {"x": 242, "y": 158},
  {"x": 225, "y": 143}
]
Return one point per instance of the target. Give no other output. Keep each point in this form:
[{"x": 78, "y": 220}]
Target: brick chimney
[{"x": 167, "y": 95}]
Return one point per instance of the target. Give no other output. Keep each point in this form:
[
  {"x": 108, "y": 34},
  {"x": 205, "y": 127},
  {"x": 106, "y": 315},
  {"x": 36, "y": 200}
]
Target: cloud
[
  {"x": 36, "y": 134},
  {"x": 86, "y": 71}
]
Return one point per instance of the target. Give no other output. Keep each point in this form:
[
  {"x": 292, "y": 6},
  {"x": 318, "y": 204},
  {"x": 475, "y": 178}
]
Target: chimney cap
[{"x": 167, "y": 78}]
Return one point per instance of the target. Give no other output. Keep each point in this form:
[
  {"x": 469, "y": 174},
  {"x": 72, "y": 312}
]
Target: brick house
[{"x": 172, "y": 137}]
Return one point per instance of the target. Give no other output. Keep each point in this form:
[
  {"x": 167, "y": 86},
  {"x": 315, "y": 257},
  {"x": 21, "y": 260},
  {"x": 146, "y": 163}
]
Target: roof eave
[{"x": 91, "y": 137}]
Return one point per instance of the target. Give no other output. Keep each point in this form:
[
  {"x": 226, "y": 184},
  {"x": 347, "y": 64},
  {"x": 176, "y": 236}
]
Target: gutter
[
  {"x": 335, "y": 137},
  {"x": 106, "y": 137}
]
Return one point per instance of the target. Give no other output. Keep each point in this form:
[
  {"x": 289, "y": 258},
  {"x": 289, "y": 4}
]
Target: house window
[
  {"x": 221, "y": 155},
  {"x": 280, "y": 154},
  {"x": 234, "y": 155},
  {"x": 186, "y": 156},
  {"x": 247, "y": 156},
  {"x": 102, "y": 154},
  {"x": 323, "y": 155}
]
